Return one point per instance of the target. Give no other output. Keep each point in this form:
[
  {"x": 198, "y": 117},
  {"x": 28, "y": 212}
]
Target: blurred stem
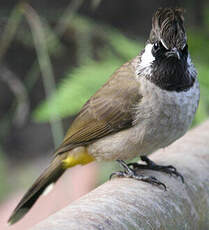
[
  {"x": 95, "y": 3},
  {"x": 32, "y": 75},
  {"x": 67, "y": 16},
  {"x": 45, "y": 65},
  {"x": 18, "y": 89},
  {"x": 3, "y": 176},
  {"x": 53, "y": 38},
  {"x": 84, "y": 47},
  {"x": 10, "y": 29},
  {"x": 53, "y": 42}
]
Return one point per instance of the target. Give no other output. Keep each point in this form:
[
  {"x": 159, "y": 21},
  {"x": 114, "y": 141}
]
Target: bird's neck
[{"x": 170, "y": 75}]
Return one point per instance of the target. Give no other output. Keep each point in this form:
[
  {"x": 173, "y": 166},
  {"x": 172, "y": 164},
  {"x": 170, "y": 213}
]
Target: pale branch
[{"x": 128, "y": 204}]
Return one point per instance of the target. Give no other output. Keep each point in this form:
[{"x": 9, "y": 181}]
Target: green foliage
[
  {"x": 75, "y": 90},
  {"x": 198, "y": 46},
  {"x": 199, "y": 50},
  {"x": 203, "y": 109},
  {"x": 83, "y": 82},
  {"x": 127, "y": 48}
]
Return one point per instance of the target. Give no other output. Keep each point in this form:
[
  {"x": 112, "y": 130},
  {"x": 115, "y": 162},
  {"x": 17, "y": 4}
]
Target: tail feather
[{"x": 50, "y": 175}]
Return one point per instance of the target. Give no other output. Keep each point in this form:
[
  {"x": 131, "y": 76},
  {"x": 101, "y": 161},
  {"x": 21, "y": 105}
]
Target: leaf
[
  {"x": 83, "y": 82},
  {"x": 76, "y": 89}
]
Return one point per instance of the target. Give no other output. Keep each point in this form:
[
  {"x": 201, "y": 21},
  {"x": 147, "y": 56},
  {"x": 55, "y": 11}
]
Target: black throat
[{"x": 171, "y": 74}]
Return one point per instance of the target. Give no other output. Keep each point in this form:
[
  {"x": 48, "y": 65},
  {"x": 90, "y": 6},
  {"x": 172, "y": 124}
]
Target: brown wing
[{"x": 109, "y": 110}]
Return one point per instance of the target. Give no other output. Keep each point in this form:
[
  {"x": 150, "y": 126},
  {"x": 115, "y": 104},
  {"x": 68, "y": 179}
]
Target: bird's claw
[
  {"x": 169, "y": 169},
  {"x": 130, "y": 173}
]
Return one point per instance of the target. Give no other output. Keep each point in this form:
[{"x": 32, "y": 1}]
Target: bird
[{"x": 147, "y": 104}]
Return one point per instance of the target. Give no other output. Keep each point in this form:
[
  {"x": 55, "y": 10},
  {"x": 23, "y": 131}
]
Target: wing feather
[{"x": 110, "y": 110}]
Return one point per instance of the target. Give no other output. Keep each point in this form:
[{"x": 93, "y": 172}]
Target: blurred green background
[{"x": 55, "y": 54}]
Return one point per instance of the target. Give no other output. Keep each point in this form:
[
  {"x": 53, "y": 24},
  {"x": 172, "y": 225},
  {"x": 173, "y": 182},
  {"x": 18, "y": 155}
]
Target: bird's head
[
  {"x": 168, "y": 37},
  {"x": 165, "y": 58}
]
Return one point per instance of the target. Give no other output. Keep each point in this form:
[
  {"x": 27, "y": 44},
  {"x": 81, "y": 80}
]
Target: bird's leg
[
  {"x": 152, "y": 166},
  {"x": 131, "y": 173}
]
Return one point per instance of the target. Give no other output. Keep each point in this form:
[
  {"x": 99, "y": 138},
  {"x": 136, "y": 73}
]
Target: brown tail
[{"x": 50, "y": 175}]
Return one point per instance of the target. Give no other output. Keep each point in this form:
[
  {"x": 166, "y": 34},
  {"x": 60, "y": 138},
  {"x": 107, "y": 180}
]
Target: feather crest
[{"x": 168, "y": 27}]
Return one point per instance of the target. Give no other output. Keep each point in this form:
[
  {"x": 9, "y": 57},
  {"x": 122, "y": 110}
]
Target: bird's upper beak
[{"x": 173, "y": 53}]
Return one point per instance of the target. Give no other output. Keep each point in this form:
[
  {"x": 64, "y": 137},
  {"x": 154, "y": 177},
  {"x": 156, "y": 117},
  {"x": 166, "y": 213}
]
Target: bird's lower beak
[{"x": 173, "y": 53}]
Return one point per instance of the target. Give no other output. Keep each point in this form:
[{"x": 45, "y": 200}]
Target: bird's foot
[
  {"x": 131, "y": 173},
  {"x": 152, "y": 166}
]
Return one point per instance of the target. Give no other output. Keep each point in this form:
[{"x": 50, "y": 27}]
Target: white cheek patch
[{"x": 147, "y": 58}]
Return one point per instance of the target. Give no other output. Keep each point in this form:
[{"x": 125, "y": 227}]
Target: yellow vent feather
[{"x": 82, "y": 157}]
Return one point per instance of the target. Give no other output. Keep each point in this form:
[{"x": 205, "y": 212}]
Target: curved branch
[{"x": 129, "y": 204}]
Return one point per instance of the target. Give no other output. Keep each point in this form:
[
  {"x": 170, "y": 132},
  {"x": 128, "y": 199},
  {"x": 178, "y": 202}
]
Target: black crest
[{"x": 168, "y": 27}]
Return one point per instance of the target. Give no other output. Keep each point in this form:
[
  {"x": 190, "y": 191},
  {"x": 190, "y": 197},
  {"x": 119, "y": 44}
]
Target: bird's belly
[{"x": 162, "y": 118}]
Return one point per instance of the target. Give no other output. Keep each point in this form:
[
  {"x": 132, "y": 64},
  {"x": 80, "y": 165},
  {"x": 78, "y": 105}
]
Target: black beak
[{"x": 173, "y": 53}]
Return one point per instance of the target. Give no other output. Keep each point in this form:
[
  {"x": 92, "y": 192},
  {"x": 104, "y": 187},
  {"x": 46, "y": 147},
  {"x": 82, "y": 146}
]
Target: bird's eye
[{"x": 156, "y": 47}]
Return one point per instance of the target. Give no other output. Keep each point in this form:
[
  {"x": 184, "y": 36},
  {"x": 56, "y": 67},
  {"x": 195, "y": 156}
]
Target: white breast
[
  {"x": 162, "y": 117},
  {"x": 166, "y": 115}
]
